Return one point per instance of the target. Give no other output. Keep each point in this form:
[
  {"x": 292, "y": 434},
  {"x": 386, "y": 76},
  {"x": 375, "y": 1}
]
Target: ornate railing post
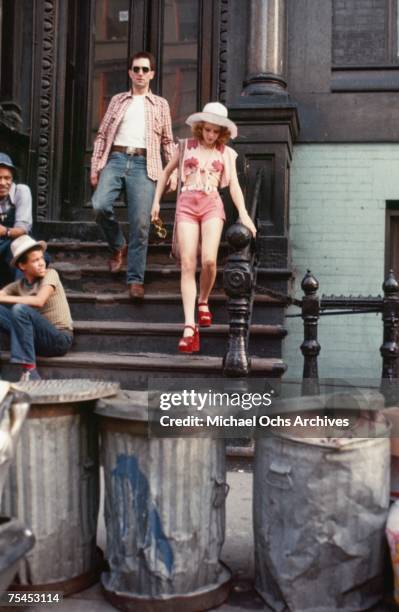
[
  {"x": 389, "y": 349},
  {"x": 310, "y": 347},
  {"x": 238, "y": 283}
]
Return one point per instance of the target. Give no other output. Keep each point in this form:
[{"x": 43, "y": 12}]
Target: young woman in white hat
[{"x": 205, "y": 164}]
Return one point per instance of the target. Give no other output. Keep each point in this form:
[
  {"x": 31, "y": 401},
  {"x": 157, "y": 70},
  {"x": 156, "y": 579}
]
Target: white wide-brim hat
[
  {"x": 20, "y": 245},
  {"x": 216, "y": 113}
]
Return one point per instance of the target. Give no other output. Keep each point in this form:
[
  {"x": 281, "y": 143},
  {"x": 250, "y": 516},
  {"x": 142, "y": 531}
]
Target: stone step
[
  {"x": 119, "y": 336},
  {"x": 161, "y": 307},
  {"x": 125, "y": 337},
  {"x": 86, "y": 229},
  {"x": 132, "y": 370},
  {"x": 158, "y": 278},
  {"x": 97, "y": 252}
]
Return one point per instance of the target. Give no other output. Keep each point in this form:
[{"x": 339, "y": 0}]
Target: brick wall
[
  {"x": 359, "y": 31},
  {"x": 337, "y": 229}
]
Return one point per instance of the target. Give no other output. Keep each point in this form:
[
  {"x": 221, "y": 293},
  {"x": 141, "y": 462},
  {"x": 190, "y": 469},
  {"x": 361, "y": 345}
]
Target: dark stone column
[
  {"x": 266, "y": 59},
  {"x": 46, "y": 144}
]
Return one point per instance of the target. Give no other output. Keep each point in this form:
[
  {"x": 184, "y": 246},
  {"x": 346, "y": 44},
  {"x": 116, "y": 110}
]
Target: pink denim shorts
[{"x": 198, "y": 206}]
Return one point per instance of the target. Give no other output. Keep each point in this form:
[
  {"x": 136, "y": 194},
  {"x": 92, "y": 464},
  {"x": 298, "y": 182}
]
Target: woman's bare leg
[
  {"x": 211, "y": 232},
  {"x": 188, "y": 236}
]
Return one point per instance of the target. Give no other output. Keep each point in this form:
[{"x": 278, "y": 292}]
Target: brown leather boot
[
  {"x": 116, "y": 260},
  {"x": 136, "y": 291}
]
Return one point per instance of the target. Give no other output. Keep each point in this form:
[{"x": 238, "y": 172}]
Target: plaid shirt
[{"x": 158, "y": 132}]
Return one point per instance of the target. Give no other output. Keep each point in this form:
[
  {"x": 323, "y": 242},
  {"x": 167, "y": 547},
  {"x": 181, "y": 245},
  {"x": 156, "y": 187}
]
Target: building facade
[{"x": 313, "y": 85}]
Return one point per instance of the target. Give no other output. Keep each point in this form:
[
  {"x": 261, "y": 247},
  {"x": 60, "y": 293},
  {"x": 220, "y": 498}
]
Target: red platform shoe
[
  {"x": 204, "y": 316},
  {"x": 189, "y": 344}
]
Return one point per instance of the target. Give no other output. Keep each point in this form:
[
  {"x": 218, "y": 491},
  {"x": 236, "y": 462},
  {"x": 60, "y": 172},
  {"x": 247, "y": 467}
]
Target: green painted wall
[{"x": 337, "y": 229}]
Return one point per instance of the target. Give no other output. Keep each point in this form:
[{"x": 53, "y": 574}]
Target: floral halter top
[{"x": 204, "y": 169}]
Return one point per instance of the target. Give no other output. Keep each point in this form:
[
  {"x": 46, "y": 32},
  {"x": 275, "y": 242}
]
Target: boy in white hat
[
  {"x": 206, "y": 164},
  {"x": 34, "y": 310}
]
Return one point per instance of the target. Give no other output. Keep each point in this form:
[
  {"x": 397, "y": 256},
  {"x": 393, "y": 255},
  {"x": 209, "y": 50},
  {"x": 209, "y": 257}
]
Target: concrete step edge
[
  {"x": 80, "y": 296},
  {"x": 159, "y": 362},
  {"x": 163, "y": 270},
  {"x": 89, "y": 245},
  {"x": 145, "y": 328}
]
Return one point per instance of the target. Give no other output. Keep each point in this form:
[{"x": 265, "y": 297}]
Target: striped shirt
[
  {"x": 158, "y": 132},
  {"x": 56, "y": 309}
]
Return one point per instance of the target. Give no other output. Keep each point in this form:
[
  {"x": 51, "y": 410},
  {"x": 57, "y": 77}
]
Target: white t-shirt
[{"x": 131, "y": 130}]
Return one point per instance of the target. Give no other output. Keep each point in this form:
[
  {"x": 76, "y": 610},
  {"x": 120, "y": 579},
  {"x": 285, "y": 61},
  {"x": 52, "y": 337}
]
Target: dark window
[
  {"x": 110, "y": 55},
  {"x": 365, "y": 32},
  {"x": 392, "y": 237},
  {"x": 179, "y": 56}
]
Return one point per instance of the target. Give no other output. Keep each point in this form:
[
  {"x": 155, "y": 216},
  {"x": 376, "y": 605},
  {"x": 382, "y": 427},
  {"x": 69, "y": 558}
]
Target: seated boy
[{"x": 34, "y": 310}]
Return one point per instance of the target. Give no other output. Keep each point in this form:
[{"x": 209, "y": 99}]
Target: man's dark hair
[
  {"x": 24, "y": 257},
  {"x": 144, "y": 55}
]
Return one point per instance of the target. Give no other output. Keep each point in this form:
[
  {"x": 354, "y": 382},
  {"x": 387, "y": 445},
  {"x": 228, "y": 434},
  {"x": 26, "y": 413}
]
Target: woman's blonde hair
[{"x": 224, "y": 134}]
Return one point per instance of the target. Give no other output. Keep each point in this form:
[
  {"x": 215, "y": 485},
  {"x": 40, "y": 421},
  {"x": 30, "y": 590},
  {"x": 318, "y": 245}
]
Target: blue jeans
[
  {"x": 129, "y": 172},
  {"x": 31, "y": 333}
]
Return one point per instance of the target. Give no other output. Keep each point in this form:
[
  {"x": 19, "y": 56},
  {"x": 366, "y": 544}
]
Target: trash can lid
[
  {"x": 129, "y": 405},
  {"x": 333, "y": 420},
  {"x": 66, "y": 390}
]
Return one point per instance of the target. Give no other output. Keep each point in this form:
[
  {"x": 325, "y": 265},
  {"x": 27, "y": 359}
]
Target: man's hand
[
  {"x": 3, "y": 231},
  {"x": 94, "y": 179},
  {"x": 155, "y": 212},
  {"x": 171, "y": 185}
]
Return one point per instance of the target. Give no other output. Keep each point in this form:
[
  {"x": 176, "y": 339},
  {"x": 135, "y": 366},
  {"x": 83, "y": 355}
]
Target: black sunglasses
[{"x": 137, "y": 69}]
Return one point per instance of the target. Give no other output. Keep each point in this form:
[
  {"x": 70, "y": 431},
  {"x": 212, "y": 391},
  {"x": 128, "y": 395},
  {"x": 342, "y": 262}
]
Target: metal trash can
[
  {"x": 164, "y": 513},
  {"x": 15, "y": 539},
  {"x": 14, "y": 408},
  {"x": 54, "y": 484},
  {"x": 319, "y": 509}
]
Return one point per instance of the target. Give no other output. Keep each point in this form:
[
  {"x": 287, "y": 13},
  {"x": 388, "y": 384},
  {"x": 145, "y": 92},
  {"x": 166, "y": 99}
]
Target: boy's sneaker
[{"x": 28, "y": 375}]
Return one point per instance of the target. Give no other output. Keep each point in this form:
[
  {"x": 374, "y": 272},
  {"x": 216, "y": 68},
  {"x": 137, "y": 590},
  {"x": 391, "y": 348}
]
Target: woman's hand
[
  {"x": 246, "y": 220},
  {"x": 155, "y": 211},
  {"x": 94, "y": 179}
]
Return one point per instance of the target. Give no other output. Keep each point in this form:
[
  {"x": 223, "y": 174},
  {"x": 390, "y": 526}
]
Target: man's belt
[{"x": 129, "y": 150}]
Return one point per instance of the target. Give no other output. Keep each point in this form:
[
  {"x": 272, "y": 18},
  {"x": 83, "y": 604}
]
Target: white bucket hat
[
  {"x": 20, "y": 245},
  {"x": 214, "y": 112}
]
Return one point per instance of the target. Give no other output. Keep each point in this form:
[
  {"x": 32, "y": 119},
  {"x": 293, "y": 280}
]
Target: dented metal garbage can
[
  {"x": 164, "y": 513},
  {"x": 15, "y": 539},
  {"x": 319, "y": 507},
  {"x": 14, "y": 408},
  {"x": 53, "y": 485}
]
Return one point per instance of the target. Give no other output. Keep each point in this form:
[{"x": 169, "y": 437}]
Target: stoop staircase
[{"x": 120, "y": 340}]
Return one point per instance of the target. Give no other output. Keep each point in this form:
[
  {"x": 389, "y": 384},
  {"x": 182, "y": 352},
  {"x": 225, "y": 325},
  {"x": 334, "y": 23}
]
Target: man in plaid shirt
[{"x": 127, "y": 154}]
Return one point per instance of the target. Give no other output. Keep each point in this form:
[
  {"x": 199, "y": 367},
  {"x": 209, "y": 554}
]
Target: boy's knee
[{"x": 19, "y": 310}]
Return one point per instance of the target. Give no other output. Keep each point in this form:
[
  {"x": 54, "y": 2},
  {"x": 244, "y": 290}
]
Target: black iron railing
[
  {"x": 314, "y": 307},
  {"x": 239, "y": 278}
]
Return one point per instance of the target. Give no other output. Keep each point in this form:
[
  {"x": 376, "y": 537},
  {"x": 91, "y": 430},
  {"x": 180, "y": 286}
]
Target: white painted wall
[{"x": 337, "y": 229}]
